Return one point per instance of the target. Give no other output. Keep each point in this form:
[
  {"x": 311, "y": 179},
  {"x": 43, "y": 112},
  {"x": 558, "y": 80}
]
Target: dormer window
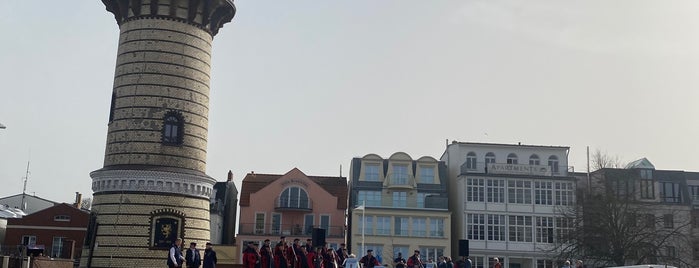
[
  {"x": 173, "y": 128},
  {"x": 61, "y": 218},
  {"x": 534, "y": 160},
  {"x": 471, "y": 161},
  {"x": 294, "y": 197},
  {"x": 489, "y": 158},
  {"x": 371, "y": 172},
  {"x": 553, "y": 163},
  {"x": 512, "y": 159}
]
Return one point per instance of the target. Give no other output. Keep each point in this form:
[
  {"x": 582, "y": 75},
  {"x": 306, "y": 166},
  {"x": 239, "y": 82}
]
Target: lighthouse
[{"x": 153, "y": 187}]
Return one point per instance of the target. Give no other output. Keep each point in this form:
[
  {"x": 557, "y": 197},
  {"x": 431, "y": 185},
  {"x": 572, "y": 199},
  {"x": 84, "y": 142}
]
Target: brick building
[{"x": 57, "y": 229}]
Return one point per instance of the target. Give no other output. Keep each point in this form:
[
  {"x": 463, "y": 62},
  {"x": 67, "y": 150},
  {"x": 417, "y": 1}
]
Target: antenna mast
[{"x": 24, "y": 190}]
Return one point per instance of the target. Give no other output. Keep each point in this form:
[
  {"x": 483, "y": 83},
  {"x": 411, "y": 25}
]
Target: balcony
[
  {"x": 516, "y": 169},
  {"x": 399, "y": 181},
  {"x": 286, "y": 204},
  {"x": 297, "y": 230}
]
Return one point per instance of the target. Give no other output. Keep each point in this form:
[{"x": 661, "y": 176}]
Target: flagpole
[{"x": 363, "y": 223}]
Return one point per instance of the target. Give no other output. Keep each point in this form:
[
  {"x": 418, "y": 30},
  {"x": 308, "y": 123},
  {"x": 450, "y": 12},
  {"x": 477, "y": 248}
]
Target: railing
[
  {"x": 288, "y": 229},
  {"x": 293, "y": 204},
  {"x": 399, "y": 180},
  {"x": 517, "y": 169}
]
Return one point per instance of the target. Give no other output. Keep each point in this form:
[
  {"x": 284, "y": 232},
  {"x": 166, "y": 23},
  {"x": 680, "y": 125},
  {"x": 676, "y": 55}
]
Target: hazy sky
[{"x": 311, "y": 84}]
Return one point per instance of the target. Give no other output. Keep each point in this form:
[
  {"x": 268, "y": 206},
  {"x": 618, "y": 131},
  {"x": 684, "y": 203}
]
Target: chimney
[
  {"x": 230, "y": 175},
  {"x": 78, "y": 200}
]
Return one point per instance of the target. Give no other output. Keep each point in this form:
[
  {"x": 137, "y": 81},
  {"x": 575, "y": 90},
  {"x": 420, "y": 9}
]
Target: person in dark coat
[
  {"x": 174, "y": 257},
  {"x": 266, "y": 254},
  {"x": 369, "y": 261},
  {"x": 210, "y": 259},
  {"x": 193, "y": 257}
]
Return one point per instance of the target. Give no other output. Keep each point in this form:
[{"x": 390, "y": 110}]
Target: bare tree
[
  {"x": 613, "y": 226},
  {"x": 600, "y": 160}
]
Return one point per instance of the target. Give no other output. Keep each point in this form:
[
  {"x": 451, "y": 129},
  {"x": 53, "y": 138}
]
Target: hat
[
  {"x": 400, "y": 253},
  {"x": 417, "y": 251},
  {"x": 309, "y": 239},
  {"x": 208, "y": 243},
  {"x": 193, "y": 243},
  {"x": 282, "y": 237},
  {"x": 266, "y": 240},
  {"x": 250, "y": 242},
  {"x": 369, "y": 250}
]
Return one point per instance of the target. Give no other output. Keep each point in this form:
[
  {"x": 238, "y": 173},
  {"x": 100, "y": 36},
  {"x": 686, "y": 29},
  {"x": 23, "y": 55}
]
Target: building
[
  {"x": 153, "y": 187},
  {"x": 399, "y": 205},
  {"x": 59, "y": 230},
  {"x": 28, "y": 203},
  {"x": 506, "y": 199},
  {"x": 292, "y": 205},
  {"x": 224, "y": 210},
  {"x": 662, "y": 204}
]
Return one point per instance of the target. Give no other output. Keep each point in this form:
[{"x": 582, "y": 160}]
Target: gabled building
[
  {"x": 28, "y": 203},
  {"x": 506, "y": 199},
  {"x": 399, "y": 205},
  {"x": 60, "y": 230},
  {"x": 292, "y": 205},
  {"x": 224, "y": 210}
]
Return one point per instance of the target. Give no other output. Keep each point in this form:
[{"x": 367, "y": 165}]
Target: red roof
[{"x": 253, "y": 182}]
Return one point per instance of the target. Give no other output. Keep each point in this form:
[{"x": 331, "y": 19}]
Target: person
[
  {"x": 399, "y": 262},
  {"x": 314, "y": 258},
  {"x": 297, "y": 254},
  {"x": 175, "y": 258},
  {"x": 566, "y": 264},
  {"x": 496, "y": 263},
  {"x": 281, "y": 260},
  {"x": 193, "y": 257},
  {"x": 450, "y": 264},
  {"x": 351, "y": 261},
  {"x": 414, "y": 261},
  {"x": 250, "y": 256},
  {"x": 309, "y": 245},
  {"x": 266, "y": 254},
  {"x": 369, "y": 261},
  {"x": 210, "y": 259},
  {"x": 341, "y": 254},
  {"x": 430, "y": 263},
  {"x": 442, "y": 263},
  {"x": 579, "y": 264}
]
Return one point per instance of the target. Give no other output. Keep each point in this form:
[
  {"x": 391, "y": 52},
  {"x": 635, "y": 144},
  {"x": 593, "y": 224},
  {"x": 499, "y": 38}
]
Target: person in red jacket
[
  {"x": 415, "y": 261},
  {"x": 281, "y": 260},
  {"x": 250, "y": 256},
  {"x": 369, "y": 261}
]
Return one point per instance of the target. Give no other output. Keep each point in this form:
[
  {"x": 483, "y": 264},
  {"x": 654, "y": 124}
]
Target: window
[
  {"x": 495, "y": 191},
  {"x": 563, "y": 192},
  {"x": 400, "y": 175},
  {"x": 294, "y": 197},
  {"x": 400, "y": 199},
  {"x": 308, "y": 221},
  {"x": 173, "y": 128},
  {"x": 534, "y": 160},
  {"x": 383, "y": 225},
  {"x": 496, "y": 227},
  {"x": 401, "y": 226},
  {"x": 668, "y": 221},
  {"x": 519, "y": 192},
  {"x": 367, "y": 222},
  {"x": 378, "y": 249},
  {"x": 402, "y": 250},
  {"x": 325, "y": 222},
  {"x": 276, "y": 223},
  {"x": 520, "y": 228},
  {"x": 372, "y": 198},
  {"x": 475, "y": 190},
  {"x": 649, "y": 220},
  {"x": 553, "y": 163},
  {"x": 512, "y": 159},
  {"x": 544, "y": 263},
  {"x": 475, "y": 226},
  {"x": 670, "y": 192},
  {"x": 543, "y": 193},
  {"x": 563, "y": 228},
  {"x": 426, "y": 174},
  {"x": 479, "y": 262},
  {"x": 489, "y": 158},
  {"x": 647, "y": 189},
  {"x": 61, "y": 218},
  {"x": 371, "y": 172},
  {"x": 671, "y": 251},
  {"x": 544, "y": 229},
  {"x": 427, "y": 253},
  {"x": 419, "y": 227},
  {"x": 646, "y": 174},
  {"x": 694, "y": 192},
  {"x": 471, "y": 161},
  {"x": 437, "y": 227},
  {"x": 421, "y": 199},
  {"x": 57, "y": 247},
  {"x": 259, "y": 223},
  {"x": 28, "y": 240}
]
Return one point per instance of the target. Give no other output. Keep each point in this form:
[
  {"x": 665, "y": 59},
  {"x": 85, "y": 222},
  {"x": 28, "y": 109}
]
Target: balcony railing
[
  {"x": 288, "y": 230},
  {"x": 399, "y": 180},
  {"x": 517, "y": 169},
  {"x": 293, "y": 204}
]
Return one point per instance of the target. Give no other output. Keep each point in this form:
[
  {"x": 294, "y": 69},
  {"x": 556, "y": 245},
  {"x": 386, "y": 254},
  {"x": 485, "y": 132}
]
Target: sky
[{"x": 312, "y": 84}]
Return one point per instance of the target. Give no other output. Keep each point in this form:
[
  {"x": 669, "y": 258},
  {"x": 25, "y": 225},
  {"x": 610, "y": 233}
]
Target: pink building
[{"x": 292, "y": 205}]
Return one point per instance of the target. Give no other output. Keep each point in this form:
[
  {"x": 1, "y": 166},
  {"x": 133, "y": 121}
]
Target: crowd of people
[
  {"x": 293, "y": 255},
  {"x": 192, "y": 257}
]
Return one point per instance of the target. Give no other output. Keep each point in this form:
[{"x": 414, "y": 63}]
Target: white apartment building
[{"x": 506, "y": 199}]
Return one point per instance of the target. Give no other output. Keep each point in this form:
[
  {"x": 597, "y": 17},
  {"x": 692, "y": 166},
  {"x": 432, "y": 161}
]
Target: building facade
[
  {"x": 224, "y": 212},
  {"x": 153, "y": 187},
  {"x": 506, "y": 200},
  {"x": 399, "y": 205},
  {"x": 292, "y": 205},
  {"x": 60, "y": 230}
]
